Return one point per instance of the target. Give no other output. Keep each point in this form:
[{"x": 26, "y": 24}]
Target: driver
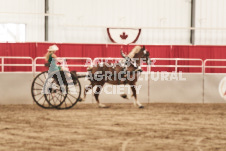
[{"x": 52, "y": 59}]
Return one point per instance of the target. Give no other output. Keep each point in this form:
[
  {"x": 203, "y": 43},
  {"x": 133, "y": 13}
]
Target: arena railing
[
  {"x": 176, "y": 64},
  {"x": 105, "y": 59},
  {"x": 4, "y": 58},
  {"x": 89, "y": 62},
  {"x": 154, "y": 61},
  {"x": 214, "y": 66}
]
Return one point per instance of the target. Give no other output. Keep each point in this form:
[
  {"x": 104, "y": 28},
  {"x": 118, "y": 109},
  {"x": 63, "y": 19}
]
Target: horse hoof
[
  {"x": 102, "y": 106},
  {"x": 81, "y": 100},
  {"x": 124, "y": 96},
  {"x": 141, "y": 107}
]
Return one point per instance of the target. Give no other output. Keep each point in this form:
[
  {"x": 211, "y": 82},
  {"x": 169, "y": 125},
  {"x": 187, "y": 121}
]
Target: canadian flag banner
[{"x": 123, "y": 35}]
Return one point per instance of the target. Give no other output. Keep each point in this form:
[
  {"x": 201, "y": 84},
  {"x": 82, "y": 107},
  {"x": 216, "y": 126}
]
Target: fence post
[{"x": 2, "y": 64}]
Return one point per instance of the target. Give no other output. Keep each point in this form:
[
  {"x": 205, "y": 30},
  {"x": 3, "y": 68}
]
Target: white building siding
[
  {"x": 211, "y": 14},
  {"x": 157, "y": 17},
  {"x": 25, "y": 12},
  {"x": 126, "y": 13}
]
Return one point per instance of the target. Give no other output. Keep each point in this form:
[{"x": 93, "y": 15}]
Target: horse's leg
[
  {"x": 86, "y": 89},
  {"x": 136, "y": 102},
  {"x": 124, "y": 96},
  {"x": 97, "y": 93}
]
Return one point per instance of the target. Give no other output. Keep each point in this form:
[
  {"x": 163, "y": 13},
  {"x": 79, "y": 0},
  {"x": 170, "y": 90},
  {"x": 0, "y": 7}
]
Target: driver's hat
[{"x": 53, "y": 48}]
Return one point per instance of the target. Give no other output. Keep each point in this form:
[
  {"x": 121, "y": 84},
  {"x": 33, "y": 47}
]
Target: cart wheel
[
  {"x": 37, "y": 90},
  {"x": 54, "y": 91},
  {"x": 57, "y": 92},
  {"x": 73, "y": 96}
]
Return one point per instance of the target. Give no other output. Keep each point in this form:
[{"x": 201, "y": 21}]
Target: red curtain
[
  {"x": 17, "y": 50},
  {"x": 202, "y": 52},
  {"x": 107, "y": 50}
]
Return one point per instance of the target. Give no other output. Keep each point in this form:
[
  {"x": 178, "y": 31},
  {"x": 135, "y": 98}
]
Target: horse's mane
[{"x": 134, "y": 51}]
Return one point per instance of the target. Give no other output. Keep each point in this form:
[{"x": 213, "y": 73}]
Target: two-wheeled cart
[{"x": 48, "y": 92}]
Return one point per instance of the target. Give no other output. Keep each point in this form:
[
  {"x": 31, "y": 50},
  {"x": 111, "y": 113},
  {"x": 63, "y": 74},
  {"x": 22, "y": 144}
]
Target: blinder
[{"x": 146, "y": 55}]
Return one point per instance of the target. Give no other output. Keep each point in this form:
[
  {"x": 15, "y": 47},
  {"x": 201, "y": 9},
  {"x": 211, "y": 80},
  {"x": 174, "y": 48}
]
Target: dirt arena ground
[{"x": 122, "y": 127}]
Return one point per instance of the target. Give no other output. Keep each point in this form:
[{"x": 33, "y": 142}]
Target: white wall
[
  {"x": 24, "y": 12},
  {"x": 126, "y": 13},
  {"x": 211, "y": 14},
  {"x": 211, "y": 88},
  {"x": 123, "y": 13},
  {"x": 16, "y": 89}
]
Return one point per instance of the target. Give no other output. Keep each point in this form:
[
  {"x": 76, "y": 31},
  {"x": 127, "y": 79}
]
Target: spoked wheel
[
  {"x": 37, "y": 90},
  {"x": 58, "y": 93},
  {"x": 54, "y": 92},
  {"x": 73, "y": 95}
]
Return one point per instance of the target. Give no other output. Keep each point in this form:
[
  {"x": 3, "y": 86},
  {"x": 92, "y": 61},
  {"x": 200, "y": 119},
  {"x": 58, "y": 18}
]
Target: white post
[
  {"x": 149, "y": 69},
  {"x": 2, "y": 64}
]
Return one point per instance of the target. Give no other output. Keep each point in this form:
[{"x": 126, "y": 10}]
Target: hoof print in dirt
[{"x": 104, "y": 107}]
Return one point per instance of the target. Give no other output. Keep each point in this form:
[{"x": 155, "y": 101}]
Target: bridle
[{"x": 146, "y": 55}]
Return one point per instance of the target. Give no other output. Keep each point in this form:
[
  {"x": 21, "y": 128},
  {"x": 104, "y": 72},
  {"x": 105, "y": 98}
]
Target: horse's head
[
  {"x": 140, "y": 53},
  {"x": 145, "y": 54}
]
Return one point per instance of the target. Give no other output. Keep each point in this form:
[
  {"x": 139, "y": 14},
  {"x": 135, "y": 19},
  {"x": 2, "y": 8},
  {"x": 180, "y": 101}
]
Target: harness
[
  {"x": 122, "y": 75},
  {"x": 128, "y": 62}
]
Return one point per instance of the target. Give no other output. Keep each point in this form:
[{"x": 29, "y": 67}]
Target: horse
[{"x": 124, "y": 72}]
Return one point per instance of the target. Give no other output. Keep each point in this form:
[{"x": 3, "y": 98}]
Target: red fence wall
[{"x": 102, "y": 50}]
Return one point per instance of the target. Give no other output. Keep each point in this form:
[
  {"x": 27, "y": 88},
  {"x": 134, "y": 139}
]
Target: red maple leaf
[{"x": 123, "y": 36}]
